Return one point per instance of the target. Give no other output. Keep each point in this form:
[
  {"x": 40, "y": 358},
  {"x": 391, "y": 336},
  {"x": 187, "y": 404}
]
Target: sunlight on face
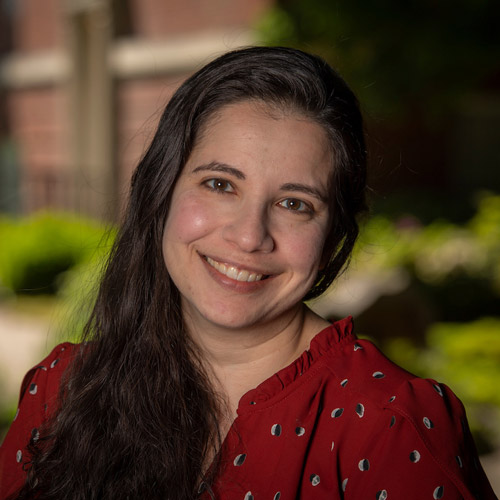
[{"x": 248, "y": 217}]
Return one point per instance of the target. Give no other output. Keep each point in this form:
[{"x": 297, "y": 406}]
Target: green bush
[
  {"x": 36, "y": 251},
  {"x": 455, "y": 267},
  {"x": 465, "y": 356},
  {"x": 60, "y": 256},
  {"x": 77, "y": 294}
]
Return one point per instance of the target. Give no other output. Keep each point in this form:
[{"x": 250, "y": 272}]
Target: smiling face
[{"x": 248, "y": 218}]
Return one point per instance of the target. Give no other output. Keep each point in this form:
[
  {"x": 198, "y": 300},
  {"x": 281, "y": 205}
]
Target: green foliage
[
  {"x": 457, "y": 267},
  {"x": 394, "y": 53},
  {"x": 35, "y": 252},
  {"x": 59, "y": 254},
  {"x": 77, "y": 294},
  {"x": 466, "y": 357},
  {"x": 7, "y": 413},
  {"x": 485, "y": 226},
  {"x": 51, "y": 253}
]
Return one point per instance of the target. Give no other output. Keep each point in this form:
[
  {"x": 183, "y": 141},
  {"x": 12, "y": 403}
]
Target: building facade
[{"x": 83, "y": 83}]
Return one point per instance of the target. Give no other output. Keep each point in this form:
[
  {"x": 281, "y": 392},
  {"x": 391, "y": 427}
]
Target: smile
[{"x": 234, "y": 272}]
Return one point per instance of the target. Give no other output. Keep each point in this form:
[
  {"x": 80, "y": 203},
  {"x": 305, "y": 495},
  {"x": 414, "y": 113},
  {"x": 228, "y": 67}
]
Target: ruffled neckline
[{"x": 325, "y": 341}]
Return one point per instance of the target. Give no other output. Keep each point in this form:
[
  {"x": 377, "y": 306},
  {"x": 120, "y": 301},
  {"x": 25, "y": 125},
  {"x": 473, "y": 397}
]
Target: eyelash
[
  {"x": 210, "y": 184},
  {"x": 305, "y": 208}
]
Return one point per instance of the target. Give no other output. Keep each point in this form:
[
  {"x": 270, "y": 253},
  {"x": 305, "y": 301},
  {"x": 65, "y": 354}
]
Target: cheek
[
  {"x": 306, "y": 248},
  {"x": 187, "y": 221}
]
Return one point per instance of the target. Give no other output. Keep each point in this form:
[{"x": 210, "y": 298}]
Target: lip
[
  {"x": 232, "y": 284},
  {"x": 242, "y": 267}
]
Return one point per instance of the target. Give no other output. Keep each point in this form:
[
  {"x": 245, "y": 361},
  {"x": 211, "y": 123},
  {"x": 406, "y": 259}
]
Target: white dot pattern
[
  {"x": 344, "y": 483},
  {"x": 276, "y": 430},
  {"x": 337, "y": 412},
  {"x": 315, "y": 479},
  {"x": 438, "y": 492},
  {"x": 30, "y": 415},
  {"x": 364, "y": 465},
  {"x": 360, "y": 410},
  {"x": 428, "y": 423}
]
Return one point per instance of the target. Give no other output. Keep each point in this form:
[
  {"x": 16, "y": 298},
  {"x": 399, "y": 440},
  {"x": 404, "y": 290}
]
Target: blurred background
[{"x": 82, "y": 85}]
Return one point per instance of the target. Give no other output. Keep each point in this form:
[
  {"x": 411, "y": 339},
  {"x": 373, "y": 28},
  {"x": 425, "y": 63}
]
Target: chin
[{"x": 232, "y": 322}]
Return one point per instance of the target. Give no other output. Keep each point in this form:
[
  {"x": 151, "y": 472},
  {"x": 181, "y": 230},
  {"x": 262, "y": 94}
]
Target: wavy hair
[{"x": 137, "y": 415}]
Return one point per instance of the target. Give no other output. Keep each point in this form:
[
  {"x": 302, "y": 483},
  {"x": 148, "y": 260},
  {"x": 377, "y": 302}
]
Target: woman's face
[{"x": 248, "y": 217}]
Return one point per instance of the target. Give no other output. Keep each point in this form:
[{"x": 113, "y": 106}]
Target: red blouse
[{"x": 340, "y": 422}]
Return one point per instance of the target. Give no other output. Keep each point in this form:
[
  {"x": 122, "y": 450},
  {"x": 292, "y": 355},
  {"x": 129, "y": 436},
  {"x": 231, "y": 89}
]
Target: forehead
[
  {"x": 266, "y": 110},
  {"x": 256, "y": 128}
]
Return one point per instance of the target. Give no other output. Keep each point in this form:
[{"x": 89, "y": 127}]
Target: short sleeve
[
  {"x": 422, "y": 450},
  {"x": 37, "y": 402}
]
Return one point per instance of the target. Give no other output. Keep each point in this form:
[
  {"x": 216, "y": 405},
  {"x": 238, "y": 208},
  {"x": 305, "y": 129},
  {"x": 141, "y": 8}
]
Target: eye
[
  {"x": 219, "y": 185},
  {"x": 296, "y": 205}
]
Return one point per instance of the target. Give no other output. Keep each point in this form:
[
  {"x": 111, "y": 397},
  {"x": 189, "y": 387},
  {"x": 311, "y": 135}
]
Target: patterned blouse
[{"x": 340, "y": 422}]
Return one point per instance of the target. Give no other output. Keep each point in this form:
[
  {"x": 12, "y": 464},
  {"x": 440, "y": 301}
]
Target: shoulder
[
  {"x": 44, "y": 377},
  {"x": 37, "y": 402},
  {"x": 367, "y": 375},
  {"x": 410, "y": 434},
  {"x": 357, "y": 372},
  {"x": 364, "y": 370}
]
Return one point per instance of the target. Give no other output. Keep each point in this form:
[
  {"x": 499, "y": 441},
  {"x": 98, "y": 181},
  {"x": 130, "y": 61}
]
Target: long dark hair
[{"x": 138, "y": 416}]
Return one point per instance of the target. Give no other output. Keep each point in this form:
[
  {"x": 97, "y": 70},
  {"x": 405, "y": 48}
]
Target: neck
[{"x": 239, "y": 360}]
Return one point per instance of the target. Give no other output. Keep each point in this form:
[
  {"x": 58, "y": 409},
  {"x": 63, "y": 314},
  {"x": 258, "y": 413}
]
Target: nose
[{"x": 249, "y": 230}]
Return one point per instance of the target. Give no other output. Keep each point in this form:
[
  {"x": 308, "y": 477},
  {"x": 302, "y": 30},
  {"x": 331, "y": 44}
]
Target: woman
[{"x": 206, "y": 375}]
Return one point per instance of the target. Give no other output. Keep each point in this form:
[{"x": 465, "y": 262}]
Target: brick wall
[{"x": 38, "y": 96}]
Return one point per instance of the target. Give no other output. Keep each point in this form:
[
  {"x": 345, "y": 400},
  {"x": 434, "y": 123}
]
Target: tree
[{"x": 397, "y": 55}]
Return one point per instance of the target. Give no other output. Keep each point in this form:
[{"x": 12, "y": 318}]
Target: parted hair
[{"x": 138, "y": 416}]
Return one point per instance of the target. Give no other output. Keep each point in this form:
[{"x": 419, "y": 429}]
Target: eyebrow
[
  {"x": 215, "y": 166},
  {"x": 303, "y": 188}
]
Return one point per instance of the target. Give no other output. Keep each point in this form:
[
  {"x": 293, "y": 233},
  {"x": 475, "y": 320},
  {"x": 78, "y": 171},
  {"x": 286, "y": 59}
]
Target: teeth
[
  {"x": 233, "y": 272},
  {"x": 243, "y": 276}
]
